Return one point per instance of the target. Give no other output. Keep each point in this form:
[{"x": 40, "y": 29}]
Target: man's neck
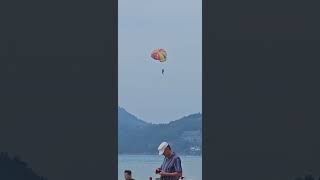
[{"x": 170, "y": 155}]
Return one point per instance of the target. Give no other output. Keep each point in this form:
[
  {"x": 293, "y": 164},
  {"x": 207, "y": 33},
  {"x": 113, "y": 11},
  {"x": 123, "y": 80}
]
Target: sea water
[{"x": 143, "y": 166}]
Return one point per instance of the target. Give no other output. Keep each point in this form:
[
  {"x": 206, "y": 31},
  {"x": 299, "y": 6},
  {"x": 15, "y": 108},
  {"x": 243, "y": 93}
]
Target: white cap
[{"x": 162, "y": 147}]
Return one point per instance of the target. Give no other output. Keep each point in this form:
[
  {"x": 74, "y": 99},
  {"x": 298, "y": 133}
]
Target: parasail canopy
[{"x": 159, "y": 55}]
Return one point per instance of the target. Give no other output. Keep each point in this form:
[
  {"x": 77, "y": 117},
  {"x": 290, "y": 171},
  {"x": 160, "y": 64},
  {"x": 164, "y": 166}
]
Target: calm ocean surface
[{"x": 143, "y": 166}]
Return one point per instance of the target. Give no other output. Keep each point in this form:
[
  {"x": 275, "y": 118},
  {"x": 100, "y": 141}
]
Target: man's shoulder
[{"x": 176, "y": 156}]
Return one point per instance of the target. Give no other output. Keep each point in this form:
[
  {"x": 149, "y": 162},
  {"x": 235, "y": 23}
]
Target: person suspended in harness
[{"x": 162, "y": 71}]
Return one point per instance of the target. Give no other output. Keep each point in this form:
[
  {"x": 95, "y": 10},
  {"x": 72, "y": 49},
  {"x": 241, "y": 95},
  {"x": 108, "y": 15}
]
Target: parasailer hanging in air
[{"x": 159, "y": 55}]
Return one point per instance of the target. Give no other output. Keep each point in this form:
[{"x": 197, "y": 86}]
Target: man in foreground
[{"x": 171, "y": 167}]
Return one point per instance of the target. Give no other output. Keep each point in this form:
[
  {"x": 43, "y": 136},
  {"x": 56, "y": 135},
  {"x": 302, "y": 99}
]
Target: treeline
[
  {"x": 182, "y": 134},
  {"x": 13, "y": 168}
]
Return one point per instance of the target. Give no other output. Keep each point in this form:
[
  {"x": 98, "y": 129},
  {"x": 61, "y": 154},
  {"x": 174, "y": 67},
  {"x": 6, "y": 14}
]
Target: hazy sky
[{"x": 175, "y": 25}]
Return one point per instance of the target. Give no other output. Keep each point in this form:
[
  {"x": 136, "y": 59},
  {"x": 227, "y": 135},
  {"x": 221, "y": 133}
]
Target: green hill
[{"x": 136, "y": 136}]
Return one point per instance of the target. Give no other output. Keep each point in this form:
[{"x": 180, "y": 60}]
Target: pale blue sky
[{"x": 175, "y": 25}]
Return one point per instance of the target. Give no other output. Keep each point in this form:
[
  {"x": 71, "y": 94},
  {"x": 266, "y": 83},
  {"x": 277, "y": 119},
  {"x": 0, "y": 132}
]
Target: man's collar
[{"x": 172, "y": 154}]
